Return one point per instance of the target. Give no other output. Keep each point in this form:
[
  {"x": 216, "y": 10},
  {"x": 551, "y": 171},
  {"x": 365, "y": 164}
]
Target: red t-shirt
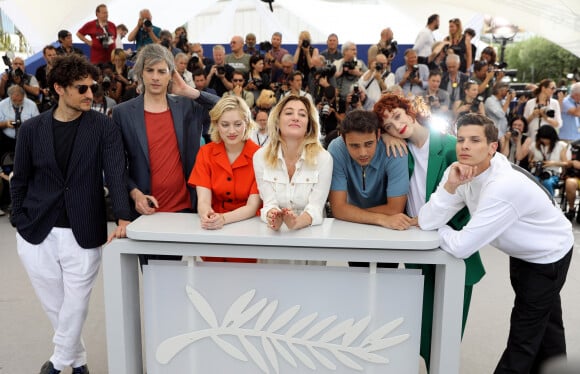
[
  {"x": 167, "y": 177},
  {"x": 94, "y": 30}
]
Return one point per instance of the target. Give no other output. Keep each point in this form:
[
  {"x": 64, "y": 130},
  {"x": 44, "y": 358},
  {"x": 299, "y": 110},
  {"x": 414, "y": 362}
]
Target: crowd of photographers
[{"x": 446, "y": 73}]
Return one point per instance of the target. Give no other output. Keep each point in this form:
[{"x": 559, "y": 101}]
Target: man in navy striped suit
[{"x": 58, "y": 203}]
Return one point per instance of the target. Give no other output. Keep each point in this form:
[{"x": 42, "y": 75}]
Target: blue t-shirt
[
  {"x": 570, "y": 124},
  {"x": 386, "y": 176},
  {"x": 142, "y": 38}
]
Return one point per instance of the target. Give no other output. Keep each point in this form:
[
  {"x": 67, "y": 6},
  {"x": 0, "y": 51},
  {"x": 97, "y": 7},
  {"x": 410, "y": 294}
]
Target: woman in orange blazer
[{"x": 223, "y": 174}]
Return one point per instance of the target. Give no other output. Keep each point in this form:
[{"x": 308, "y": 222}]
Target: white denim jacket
[{"x": 307, "y": 191}]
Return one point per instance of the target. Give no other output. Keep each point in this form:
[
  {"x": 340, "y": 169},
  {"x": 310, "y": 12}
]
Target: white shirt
[
  {"x": 374, "y": 89},
  {"x": 535, "y": 124},
  {"x": 508, "y": 210},
  {"x": 543, "y": 155},
  {"x": 418, "y": 182},
  {"x": 260, "y": 139},
  {"x": 424, "y": 42},
  {"x": 305, "y": 192},
  {"x": 7, "y": 112}
]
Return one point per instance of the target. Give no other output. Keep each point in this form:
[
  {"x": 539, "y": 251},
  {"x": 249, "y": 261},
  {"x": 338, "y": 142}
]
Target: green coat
[{"x": 441, "y": 155}]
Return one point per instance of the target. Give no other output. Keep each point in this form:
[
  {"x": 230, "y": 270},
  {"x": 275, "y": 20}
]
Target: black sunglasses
[{"x": 82, "y": 88}]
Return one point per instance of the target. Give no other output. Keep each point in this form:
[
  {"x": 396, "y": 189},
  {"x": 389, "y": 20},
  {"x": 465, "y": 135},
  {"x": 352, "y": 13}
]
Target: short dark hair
[
  {"x": 67, "y": 69},
  {"x": 489, "y": 127},
  {"x": 477, "y": 65},
  {"x": 198, "y": 72},
  {"x": 63, "y": 34},
  {"x": 435, "y": 72},
  {"x": 48, "y": 47},
  {"x": 360, "y": 120},
  {"x": 432, "y": 18}
]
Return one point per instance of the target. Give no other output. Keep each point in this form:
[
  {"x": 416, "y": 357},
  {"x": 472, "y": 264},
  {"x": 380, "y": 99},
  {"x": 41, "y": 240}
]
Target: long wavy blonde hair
[{"x": 311, "y": 143}]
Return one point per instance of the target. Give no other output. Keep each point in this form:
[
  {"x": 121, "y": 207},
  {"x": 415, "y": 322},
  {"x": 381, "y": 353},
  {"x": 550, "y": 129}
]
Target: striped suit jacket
[{"x": 39, "y": 189}]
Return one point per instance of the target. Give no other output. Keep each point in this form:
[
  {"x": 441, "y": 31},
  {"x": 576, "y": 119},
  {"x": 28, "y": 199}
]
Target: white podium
[{"x": 334, "y": 240}]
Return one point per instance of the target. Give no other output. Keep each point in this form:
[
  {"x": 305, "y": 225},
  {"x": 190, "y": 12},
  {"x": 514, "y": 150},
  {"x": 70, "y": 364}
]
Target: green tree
[{"x": 538, "y": 58}]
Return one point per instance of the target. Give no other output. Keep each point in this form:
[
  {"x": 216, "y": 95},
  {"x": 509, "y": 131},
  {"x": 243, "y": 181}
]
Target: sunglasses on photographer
[{"x": 83, "y": 88}]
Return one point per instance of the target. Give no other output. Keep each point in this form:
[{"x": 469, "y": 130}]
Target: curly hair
[
  {"x": 68, "y": 69},
  {"x": 388, "y": 102}
]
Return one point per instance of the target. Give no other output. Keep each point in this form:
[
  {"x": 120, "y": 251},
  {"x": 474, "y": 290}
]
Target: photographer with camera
[
  {"x": 386, "y": 45},
  {"x": 45, "y": 101},
  {"x": 497, "y": 106},
  {"x": 275, "y": 54},
  {"x": 484, "y": 75},
  {"x": 514, "y": 144},
  {"x": 358, "y": 99},
  {"x": 473, "y": 103},
  {"x": 412, "y": 77},
  {"x": 144, "y": 32},
  {"x": 330, "y": 113},
  {"x": 378, "y": 78},
  {"x": 197, "y": 60},
  {"x": 103, "y": 34},
  {"x": 166, "y": 40},
  {"x": 437, "y": 98},
  {"x": 219, "y": 75},
  {"x": 17, "y": 76},
  {"x": 14, "y": 110},
  {"x": 548, "y": 154},
  {"x": 295, "y": 87},
  {"x": 180, "y": 39},
  {"x": 543, "y": 109},
  {"x": 303, "y": 55},
  {"x": 321, "y": 76},
  {"x": 348, "y": 69}
]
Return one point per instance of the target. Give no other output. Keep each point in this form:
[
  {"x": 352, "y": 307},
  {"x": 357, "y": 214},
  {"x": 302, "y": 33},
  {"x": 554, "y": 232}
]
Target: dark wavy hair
[
  {"x": 68, "y": 69},
  {"x": 521, "y": 118}
]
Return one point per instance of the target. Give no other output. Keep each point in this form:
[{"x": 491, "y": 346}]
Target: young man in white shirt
[{"x": 512, "y": 213}]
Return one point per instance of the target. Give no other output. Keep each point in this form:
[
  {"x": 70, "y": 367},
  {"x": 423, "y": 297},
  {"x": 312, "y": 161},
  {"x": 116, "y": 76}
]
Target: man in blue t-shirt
[
  {"x": 367, "y": 185},
  {"x": 145, "y": 32},
  {"x": 570, "y": 130}
]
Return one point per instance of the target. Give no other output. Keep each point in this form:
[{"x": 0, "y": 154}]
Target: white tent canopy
[{"x": 215, "y": 21}]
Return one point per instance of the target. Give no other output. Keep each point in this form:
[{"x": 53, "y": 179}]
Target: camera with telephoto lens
[
  {"x": 221, "y": 70},
  {"x": 18, "y": 73},
  {"x": 391, "y": 50},
  {"x": 305, "y": 43},
  {"x": 349, "y": 65},
  {"x": 194, "y": 59},
  {"x": 147, "y": 23},
  {"x": 355, "y": 94},
  {"x": 106, "y": 83},
  {"x": 265, "y": 46},
  {"x": 327, "y": 71},
  {"x": 550, "y": 113},
  {"x": 475, "y": 104},
  {"x": 379, "y": 66},
  {"x": 515, "y": 133},
  {"x": 166, "y": 43},
  {"x": 540, "y": 172}
]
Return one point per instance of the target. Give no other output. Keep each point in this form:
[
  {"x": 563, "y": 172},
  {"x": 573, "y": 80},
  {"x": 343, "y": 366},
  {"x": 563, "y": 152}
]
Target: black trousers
[{"x": 536, "y": 327}]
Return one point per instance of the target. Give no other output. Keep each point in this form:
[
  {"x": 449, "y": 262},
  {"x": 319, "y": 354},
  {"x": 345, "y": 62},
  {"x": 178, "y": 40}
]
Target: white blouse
[{"x": 307, "y": 191}]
